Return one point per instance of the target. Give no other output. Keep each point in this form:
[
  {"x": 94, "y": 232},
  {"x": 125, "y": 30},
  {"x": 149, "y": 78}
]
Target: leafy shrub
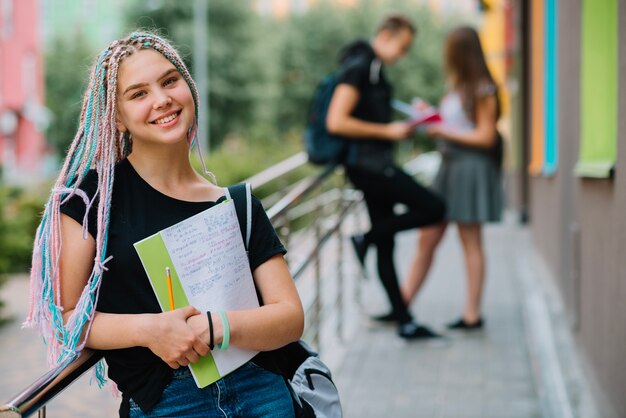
[{"x": 19, "y": 217}]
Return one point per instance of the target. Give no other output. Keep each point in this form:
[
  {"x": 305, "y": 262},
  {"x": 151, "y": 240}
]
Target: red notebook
[
  {"x": 424, "y": 119},
  {"x": 416, "y": 118}
]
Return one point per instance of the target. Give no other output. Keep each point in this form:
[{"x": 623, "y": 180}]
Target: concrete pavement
[{"x": 480, "y": 374}]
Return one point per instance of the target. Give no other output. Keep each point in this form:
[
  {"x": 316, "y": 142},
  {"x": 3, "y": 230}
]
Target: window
[
  {"x": 6, "y": 16},
  {"x": 1, "y": 78},
  {"x": 598, "y": 101}
]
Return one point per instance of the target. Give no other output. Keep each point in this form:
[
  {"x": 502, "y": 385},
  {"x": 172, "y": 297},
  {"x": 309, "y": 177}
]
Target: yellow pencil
[{"x": 170, "y": 291}]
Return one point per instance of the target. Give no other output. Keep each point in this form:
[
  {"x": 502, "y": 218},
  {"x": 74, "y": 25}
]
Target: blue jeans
[{"x": 249, "y": 391}]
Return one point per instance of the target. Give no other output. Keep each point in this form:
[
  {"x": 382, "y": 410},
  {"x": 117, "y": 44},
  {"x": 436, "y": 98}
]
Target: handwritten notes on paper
[
  {"x": 210, "y": 271},
  {"x": 211, "y": 261}
]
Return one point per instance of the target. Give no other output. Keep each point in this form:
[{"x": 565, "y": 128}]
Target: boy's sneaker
[
  {"x": 413, "y": 331},
  {"x": 388, "y": 319}
]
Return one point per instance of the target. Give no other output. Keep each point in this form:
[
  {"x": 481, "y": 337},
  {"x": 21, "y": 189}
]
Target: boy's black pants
[{"x": 382, "y": 190}]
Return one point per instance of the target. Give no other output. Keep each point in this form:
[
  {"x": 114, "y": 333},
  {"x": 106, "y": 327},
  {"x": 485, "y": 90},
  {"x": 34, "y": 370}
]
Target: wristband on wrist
[
  {"x": 226, "y": 331},
  {"x": 211, "y": 337}
]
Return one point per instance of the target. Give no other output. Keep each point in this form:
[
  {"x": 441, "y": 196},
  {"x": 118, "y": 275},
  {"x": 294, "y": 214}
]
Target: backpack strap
[
  {"x": 242, "y": 195},
  {"x": 285, "y": 360}
]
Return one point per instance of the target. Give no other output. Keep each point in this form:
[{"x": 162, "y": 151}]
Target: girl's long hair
[
  {"x": 97, "y": 145},
  {"x": 465, "y": 61}
]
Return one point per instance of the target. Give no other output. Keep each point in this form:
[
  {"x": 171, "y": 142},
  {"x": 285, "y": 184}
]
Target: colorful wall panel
[
  {"x": 537, "y": 130},
  {"x": 599, "y": 107},
  {"x": 551, "y": 87},
  {"x": 544, "y": 88}
]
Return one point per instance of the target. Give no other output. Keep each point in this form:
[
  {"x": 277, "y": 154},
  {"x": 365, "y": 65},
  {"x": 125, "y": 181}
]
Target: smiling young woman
[{"x": 127, "y": 175}]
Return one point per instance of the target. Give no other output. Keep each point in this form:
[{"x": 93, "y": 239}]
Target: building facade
[
  {"x": 571, "y": 146},
  {"x": 22, "y": 115}
]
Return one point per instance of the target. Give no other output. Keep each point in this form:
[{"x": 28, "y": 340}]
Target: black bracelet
[{"x": 211, "y": 340}]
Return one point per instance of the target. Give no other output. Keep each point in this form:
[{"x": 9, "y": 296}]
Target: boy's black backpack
[
  {"x": 308, "y": 379},
  {"x": 321, "y": 146}
]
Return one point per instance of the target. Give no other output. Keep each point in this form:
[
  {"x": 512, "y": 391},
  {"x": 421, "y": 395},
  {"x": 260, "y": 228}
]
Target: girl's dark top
[
  {"x": 361, "y": 69},
  {"x": 138, "y": 211}
]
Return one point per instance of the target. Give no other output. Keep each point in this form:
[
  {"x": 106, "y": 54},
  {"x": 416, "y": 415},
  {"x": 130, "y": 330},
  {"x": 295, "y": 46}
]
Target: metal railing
[{"x": 321, "y": 214}]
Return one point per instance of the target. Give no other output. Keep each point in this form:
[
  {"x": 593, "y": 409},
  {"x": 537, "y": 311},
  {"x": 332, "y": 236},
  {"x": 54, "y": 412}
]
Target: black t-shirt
[
  {"x": 361, "y": 69},
  {"x": 138, "y": 211}
]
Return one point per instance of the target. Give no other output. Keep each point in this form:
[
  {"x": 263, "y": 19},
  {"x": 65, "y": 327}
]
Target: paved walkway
[{"x": 485, "y": 374}]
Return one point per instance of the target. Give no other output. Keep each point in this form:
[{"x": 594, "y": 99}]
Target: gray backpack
[{"x": 308, "y": 379}]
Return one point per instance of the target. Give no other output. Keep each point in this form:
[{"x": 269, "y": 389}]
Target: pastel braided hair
[{"x": 97, "y": 145}]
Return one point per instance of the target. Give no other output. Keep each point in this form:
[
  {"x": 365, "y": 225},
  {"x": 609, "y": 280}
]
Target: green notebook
[{"x": 209, "y": 270}]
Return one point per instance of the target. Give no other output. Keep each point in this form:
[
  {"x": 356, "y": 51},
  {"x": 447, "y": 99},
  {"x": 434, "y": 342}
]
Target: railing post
[
  {"x": 358, "y": 221},
  {"x": 285, "y": 229},
  {"x": 339, "y": 301},
  {"x": 42, "y": 412},
  {"x": 317, "y": 302}
]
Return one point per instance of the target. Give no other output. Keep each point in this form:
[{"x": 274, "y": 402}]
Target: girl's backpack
[{"x": 308, "y": 379}]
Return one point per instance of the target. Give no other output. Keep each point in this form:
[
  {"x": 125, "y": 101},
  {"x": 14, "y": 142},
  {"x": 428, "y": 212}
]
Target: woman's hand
[
  {"x": 484, "y": 133},
  {"x": 199, "y": 324},
  {"x": 435, "y": 130},
  {"x": 170, "y": 337}
]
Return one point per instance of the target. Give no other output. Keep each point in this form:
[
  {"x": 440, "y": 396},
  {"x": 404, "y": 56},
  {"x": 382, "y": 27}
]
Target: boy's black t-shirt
[
  {"x": 138, "y": 211},
  {"x": 361, "y": 69}
]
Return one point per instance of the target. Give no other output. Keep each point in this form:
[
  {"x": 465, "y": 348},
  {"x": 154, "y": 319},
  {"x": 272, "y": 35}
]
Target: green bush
[
  {"x": 64, "y": 87},
  {"x": 21, "y": 216}
]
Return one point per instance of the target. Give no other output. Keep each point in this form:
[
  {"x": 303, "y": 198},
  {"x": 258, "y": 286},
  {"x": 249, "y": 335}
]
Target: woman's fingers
[
  {"x": 201, "y": 348},
  {"x": 189, "y": 356},
  {"x": 174, "y": 341},
  {"x": 192, "y": 357}
]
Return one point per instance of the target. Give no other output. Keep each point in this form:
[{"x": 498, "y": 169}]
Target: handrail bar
[
  {"x": 298, "y": 192},
  {"x": 38, "y": 393},
  {"x": 277, "y": 170},
  {"x": 310, "y": 206}
]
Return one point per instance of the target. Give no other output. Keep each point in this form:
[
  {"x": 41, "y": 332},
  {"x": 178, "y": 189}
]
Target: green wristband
[{"x": 226, "y": 331}]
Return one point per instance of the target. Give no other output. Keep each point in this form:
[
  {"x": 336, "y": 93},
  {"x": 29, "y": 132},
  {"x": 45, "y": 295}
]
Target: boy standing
[{"x": 360, "y": 112}]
